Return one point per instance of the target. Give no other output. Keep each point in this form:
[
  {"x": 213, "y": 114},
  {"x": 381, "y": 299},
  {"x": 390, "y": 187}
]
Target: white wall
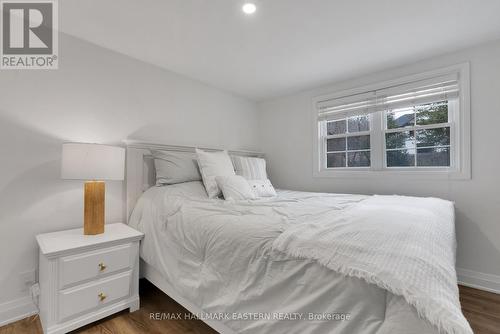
[
  {"x": 286, "y": 138},
  {"x": 95, "y": 96}
]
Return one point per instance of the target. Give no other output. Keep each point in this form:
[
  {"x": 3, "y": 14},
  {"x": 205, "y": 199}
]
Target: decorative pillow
[
  {"x": 262, "y": 188},
  {"x": 175, "y": 167},
  {"x": 235, "y": 187},
  {"x": 250, "y": 168},
  {"x": 214, "y": 164}
]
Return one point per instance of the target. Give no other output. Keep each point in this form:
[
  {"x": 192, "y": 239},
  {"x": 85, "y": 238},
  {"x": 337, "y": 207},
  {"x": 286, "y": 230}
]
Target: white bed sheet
[{"x": 219, "y": 256}]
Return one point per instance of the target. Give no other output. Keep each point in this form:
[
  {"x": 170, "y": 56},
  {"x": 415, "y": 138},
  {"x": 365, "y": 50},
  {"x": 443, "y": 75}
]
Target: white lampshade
[{"x": 82, "y": 161}]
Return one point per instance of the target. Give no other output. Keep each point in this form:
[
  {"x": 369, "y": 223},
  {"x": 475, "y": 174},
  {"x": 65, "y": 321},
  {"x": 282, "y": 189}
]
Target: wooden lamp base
[{"x": 93, "y": 217}]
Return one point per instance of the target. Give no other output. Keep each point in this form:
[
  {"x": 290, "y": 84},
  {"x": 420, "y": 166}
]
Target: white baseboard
[
  {"x": 478, "y": 280},
  {"x": 17, "y": 309}
]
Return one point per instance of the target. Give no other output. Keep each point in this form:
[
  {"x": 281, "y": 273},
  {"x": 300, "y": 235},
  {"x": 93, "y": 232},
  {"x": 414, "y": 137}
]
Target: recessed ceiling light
[{"x": 249, "y": 8}]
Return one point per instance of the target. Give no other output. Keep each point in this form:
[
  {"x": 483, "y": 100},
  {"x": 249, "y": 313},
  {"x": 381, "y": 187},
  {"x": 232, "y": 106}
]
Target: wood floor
[{"x": 482, "y": 309}]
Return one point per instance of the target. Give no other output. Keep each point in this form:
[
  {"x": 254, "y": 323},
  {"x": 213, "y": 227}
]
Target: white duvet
[{"x": 314, "y": 263}]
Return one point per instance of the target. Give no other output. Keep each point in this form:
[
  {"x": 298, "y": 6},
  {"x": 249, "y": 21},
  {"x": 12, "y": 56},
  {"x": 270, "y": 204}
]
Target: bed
[{"x": 277, "y": 265}]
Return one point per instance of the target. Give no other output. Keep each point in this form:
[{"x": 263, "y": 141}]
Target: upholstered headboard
[{"x": 140, "y": 171}]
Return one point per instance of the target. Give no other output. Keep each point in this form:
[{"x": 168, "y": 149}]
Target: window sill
[{"x": 399, "y": 174}]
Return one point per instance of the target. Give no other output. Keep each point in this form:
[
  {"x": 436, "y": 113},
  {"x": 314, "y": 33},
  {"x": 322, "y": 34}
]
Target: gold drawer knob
[
  {"x": 102, "y": 266},
  {"x": 101, "y": 296}
]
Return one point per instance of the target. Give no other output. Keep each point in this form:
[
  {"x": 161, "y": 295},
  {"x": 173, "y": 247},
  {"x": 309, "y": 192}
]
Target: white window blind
[{"x": 399, "y": 96}]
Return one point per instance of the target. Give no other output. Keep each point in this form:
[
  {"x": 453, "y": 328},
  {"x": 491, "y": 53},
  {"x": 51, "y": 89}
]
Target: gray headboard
[{"x": 140, "y": 171}]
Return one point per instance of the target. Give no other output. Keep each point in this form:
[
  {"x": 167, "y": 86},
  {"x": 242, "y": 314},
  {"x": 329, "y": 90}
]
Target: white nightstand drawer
[
  {"x": 91, "y": 265},
  {"x": 83, "y": 298}
]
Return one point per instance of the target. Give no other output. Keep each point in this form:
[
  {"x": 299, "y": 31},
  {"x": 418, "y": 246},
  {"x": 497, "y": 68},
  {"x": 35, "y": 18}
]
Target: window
[
  {"x": 348, "y": 142},
  {"x": 418, "y": 136},
  {"x": 417, "y": 125}
]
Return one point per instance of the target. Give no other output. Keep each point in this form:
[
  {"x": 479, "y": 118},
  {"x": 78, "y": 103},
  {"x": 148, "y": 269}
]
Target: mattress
[{"x": 219, "y": 256}]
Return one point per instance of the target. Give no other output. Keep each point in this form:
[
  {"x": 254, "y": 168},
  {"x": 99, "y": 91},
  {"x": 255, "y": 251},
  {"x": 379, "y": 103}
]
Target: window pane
[
  {"x": 358, "y": 123},
  {"x": 401, "y": 158},
  {"x": 433, "y": 137},
  {"x": 358, "y": 142},
  {"x": 336, "y": 127},
  {"x": 438, "y": 157},
  {"x": 399, "y": 118},
  {"x": 403, "y": 139},
  {"x": 335, "y": 160},
  {"x": 358, "y": 159},
  {"x": 335, "y": 144},
  {"x": 432, "y": 113}
]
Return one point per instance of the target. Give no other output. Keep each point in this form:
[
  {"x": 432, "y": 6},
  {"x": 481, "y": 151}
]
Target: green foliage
[{"x": 432, "y": 113}]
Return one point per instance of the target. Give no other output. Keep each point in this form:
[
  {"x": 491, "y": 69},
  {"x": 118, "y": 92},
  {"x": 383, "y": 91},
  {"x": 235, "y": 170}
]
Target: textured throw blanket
[{"x": 405, "y": 245}]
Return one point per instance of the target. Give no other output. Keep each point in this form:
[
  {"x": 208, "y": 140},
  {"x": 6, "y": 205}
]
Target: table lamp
[{"x": 93, "y": 163}]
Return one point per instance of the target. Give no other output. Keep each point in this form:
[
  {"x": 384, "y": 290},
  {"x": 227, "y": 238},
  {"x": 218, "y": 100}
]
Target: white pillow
[
  {"x": 175, "y": 167},
  {"x": 214, "y": 164},
  {"x": 250, "y": 168},
  {"x": 235, "y": 187},
  {"x": 262, "y": 188}
]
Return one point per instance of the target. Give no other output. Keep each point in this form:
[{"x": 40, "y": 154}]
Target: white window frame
[{"x": 459, "y": 122}]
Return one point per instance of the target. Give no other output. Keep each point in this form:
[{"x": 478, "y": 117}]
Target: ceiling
[{"x": 287, "y": 45}]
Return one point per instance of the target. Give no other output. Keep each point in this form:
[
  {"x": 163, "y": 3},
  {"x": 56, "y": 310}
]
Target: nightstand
[{"x": 84, "y": 278}]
